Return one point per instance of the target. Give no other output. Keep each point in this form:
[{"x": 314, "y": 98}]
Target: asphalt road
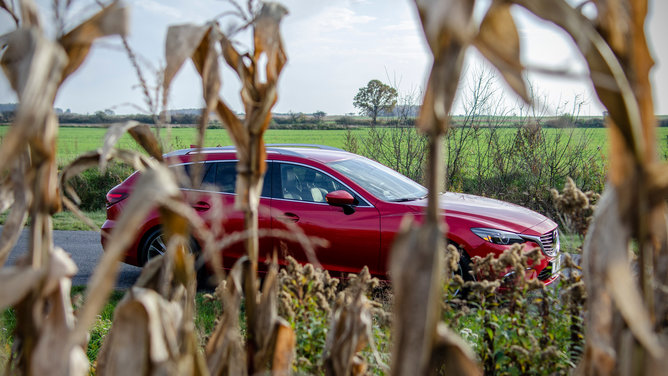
[{"x": 86, "y": 251}]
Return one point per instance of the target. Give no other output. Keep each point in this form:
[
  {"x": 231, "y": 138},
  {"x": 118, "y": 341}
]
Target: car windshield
[{"x": 381, "y": 181}]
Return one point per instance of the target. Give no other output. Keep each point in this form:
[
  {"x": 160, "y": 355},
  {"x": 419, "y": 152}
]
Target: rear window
[{"x": 216, "y": 176}]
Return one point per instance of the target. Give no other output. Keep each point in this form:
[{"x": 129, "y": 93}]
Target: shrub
[{"x": 92, "y": 185}]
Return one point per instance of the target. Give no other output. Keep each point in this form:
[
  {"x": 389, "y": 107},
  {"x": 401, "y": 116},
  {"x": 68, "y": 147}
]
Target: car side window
[
  {"x": 306, "y": 184},
  {"x": 222, "y": 176},
  {"x": 226, "y": 177},
  {"x": 183, "y": 173}
]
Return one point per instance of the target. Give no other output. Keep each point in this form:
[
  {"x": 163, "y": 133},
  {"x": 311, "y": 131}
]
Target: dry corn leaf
[
  {"x": 448, "y": 26},
  {"x": 258, "y": 98},
  {"x": 607, "y": 74},
  {"x": 98, "y": 158},
  {"x": 33, "y": 66},
  {"x": 348, "y": 334},
  {"x": 268, "y": 326},
  {"x": 224, "y": 350},
  {"x": 15, "y": 187},
  {"x": 180, "y": 44},
  {"x": 284, "y": 349},
  {"x": 499, "y": 42},
  {"x": 140, "y": 132},
  {"x": 29, "y": 14},
  {"x": 616, "y": 23},
  {"x": 111, "y": 20},
  {"x": 155, "y": 185},
  {"x": 9, "y": 7},
  {"x": 453, "y": 353},
  {"x": 610, "y": 281},
  {"x": 143, "y": 339},
  {"x": 267, "y": 41},
  {"x": 55, "y": 352},
  {"x": 206, "y": 60},
  {"x": 416, "y": 265},
  {"x": 16, "y": 282}
]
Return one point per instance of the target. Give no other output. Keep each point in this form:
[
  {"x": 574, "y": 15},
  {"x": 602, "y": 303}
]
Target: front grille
[
  {"x": 550, "y": 243},
  {"x": 547, "y": 272}
]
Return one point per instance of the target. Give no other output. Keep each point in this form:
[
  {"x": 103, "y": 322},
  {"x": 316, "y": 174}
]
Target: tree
[
  {"x": 318, "y": 116},
  {"x": 375, "y": 98}
]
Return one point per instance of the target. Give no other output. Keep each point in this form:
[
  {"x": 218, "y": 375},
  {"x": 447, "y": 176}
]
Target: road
[{"x": 86, "y": 251}]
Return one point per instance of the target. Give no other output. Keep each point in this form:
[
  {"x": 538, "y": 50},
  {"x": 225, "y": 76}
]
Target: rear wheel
[{"x": 154, "y": 245}]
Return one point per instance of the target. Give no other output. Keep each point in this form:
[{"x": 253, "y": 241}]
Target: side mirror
[{"x": 340, "y": 198}]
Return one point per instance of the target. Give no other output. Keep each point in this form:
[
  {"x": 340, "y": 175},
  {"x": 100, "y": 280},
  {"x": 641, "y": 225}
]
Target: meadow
[{"x": 74, "y": 140}]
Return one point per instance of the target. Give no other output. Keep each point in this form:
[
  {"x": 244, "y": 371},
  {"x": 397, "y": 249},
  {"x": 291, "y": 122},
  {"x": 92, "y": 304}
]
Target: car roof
[{"x": 319, "y": 153}]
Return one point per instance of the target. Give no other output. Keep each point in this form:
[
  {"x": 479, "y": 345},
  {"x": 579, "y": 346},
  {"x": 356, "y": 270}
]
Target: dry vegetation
[{"x": 153, "y": 331}]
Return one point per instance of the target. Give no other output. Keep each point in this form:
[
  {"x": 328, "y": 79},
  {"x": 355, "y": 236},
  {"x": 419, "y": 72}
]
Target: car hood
[{"x": 488, "y": 212}]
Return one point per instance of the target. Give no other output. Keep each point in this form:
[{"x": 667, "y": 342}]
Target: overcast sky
[{"x": 334, "y": 47}]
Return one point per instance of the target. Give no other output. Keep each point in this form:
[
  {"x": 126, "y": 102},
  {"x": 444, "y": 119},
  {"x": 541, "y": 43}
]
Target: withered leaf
[
  {"x": 284, "y": 349},
  {"x": 8, "y": 6},
  {"x": 111, "y": 20},
  {"x": 348, "y": 334},
  {"x": 180, "y": 44},
  {"x": 54, "y": 353},
  {"x": 607, "y": 74},
  {"x": 30, "y": 15},
  {"x": 453, "y": 353},
  {"x": 14, "y": 193},
  {"x": 448, "y": 26},
  {"x": 416, "y": 266},
  {"x": 154, "y": 186},
  {"x": 224, "y": 351},
  {"x": 267, "y": 39},
  {"x": 143, "y": 339},
  {"x": 140, "y": 132},
  {"x": 499, "y": 42},
  {"x": 16, "y": 283},
  {"x": 606, "y": 265},
  {"x": 205, "y": 58},
  {"x": 33, "y": 66}
]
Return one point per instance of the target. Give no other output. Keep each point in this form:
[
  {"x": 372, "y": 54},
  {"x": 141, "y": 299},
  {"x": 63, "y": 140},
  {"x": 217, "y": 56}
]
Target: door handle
[
  {"x": 201, "y": 206},
  {"x": 288, "y": 217}
]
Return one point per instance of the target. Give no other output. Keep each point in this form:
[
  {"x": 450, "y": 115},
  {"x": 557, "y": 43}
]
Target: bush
[{"x": 92, "y": 186}]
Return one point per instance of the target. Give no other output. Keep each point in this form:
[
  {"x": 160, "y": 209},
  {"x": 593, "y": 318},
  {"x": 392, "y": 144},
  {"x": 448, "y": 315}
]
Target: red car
[{"x": 352, "y": 202}]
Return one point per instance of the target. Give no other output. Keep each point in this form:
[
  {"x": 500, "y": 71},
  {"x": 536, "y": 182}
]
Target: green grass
[
  {"x": 66, "y": 220},
  {"x": 72, "y": 141},
  {"x": 570, "y": 242}
]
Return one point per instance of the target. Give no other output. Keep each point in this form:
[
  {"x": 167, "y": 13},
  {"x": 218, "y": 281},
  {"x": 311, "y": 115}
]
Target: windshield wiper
[{"x": 405, "y": 199}]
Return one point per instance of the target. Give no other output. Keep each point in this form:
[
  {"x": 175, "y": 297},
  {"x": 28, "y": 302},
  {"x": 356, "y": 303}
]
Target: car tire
[
  {"x": 154, "y": 245},
  {"x": 463, "y": 271}
]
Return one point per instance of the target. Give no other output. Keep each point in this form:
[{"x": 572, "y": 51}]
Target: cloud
[
  {"x": 159, "y": 9},
  {"x": 337, "y": 18},
  {"x": 405, "y": 25}
]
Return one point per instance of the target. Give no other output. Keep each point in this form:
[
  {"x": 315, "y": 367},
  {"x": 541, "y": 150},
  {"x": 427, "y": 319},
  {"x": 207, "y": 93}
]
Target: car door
[
  {"x": 352, "y": 237},
  {"x": 214, "y": 201}
]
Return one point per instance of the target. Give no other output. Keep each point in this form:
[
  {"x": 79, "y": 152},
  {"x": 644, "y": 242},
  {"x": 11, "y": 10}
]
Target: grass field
[{"x": 73, "y": 141}]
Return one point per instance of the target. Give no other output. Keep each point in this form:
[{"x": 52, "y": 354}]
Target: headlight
[{"x": 497, "y": 236}]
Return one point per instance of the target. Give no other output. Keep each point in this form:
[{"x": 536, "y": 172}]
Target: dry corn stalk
[
  {"x": 259, "y": 94},
  {"x": 48, "y": 339},
  {"x": 417, "y": 255},
  {"x": 625, "y": 321},
  {"x": 626, "y": 317},
  {"x": 350, "y": 329}
]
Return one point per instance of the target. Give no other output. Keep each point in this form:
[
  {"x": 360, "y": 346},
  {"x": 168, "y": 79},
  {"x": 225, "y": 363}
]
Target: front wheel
[{"x": 463, "y": 270}]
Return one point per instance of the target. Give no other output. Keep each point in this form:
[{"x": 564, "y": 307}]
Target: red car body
[{"x": 358, "y": 225}]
